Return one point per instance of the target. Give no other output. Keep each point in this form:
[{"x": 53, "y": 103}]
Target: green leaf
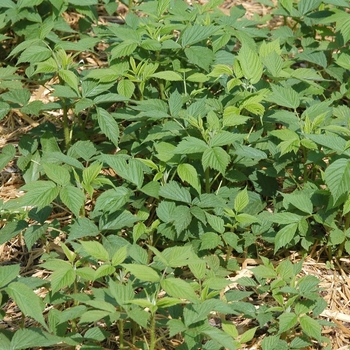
[
  {"x": 90, "y": 173},
  {"x": 62, "y": 277},
  {"x": 93, "y": 316},
  {"x": 126, "y": 48},
  {"x": 177, "y": 256},
  {"x": 142, "y": 272},
  {"x": 210, "y": 240},
  {"x": 337, "y": 177},
  {"x": 241, "y": 200},
  {"x": 191, "y": 145},
  {"x": 175, "y": 103},
  {"x": 188, "y": 173},
  {"x": 27, "y": 338},
  {"x": 30, "y": 304},
  {"x": 119, "y": 256},
  {"x": 112, "y": 200},
  {"x": 73, "y": 198},
  {"x": 4, "y": 109},
  {"x": 305, "y": 6},
  {"x": 274, "y": 63},
  {"x": 8, "y": 274},
  {"x": 285, "y": 235},
  {"x": 174, "y": 191},
  {"x": 117, "y": 220},
  {"x": 11, "y": 230},
  {"x": 20, "y": 96},
  {"x": 200, "y": 56},
  {"x": 250, "y": 64},
  {"x": 182, "y": 218},
  {"x": 225, "y": 138},
  {"x": 215, "y": 222},
  {"x": 224, "y": 339},
  {"x": 284, "y": 96},
  {"x": 126, "y": 88},
  {"x": 82, "y": 149},
  {"x": 178, "y": 288},
  {"x": 299, "y": 200},
  {"x": 7, "y": 154},
  {"x": 57, "y": 173},
  {"x": 248, "y": 335},
  {"x": 311, "y": 327},
  {"x": 70, "y": 78},
  {"x": 216, "y": 158},
  {"x": 34, "y": 54},
  {"x": 196, "y": 33},
  {"x": 167, "y": 75},
  {"x": 264, "y": 272},
  {"x": 95, "y": 249},
  {"x": 40, "y": 193},
  {"x": 108, "y": 125},
  {"x": 287, "y": 321}
]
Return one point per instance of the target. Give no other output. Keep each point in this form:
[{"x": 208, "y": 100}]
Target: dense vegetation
[{"x": 178, "y": 140}]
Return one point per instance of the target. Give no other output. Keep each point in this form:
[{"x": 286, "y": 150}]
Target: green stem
[
  {"x": 66, "y": 130},
  {"x": 121, "y": 333},
  {"x": 153, "y": 340},
  {"x": 207, "y": 180}
]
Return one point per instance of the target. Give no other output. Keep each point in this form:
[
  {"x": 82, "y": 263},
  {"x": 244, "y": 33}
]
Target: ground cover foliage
[{"x": 200, "y": 139}]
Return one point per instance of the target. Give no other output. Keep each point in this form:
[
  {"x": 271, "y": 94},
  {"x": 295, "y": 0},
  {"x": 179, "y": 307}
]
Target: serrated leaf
[
  {"x": 142, "y": 272},
  {"x": 223, "y": 339},
  {"x": 34, "y": 54},
  {"x": 305, "y": 6},
  {"x": 248, "y": 335},
  {"x": 57, "y": 173},
  {"x": 337, "y": 177},
  {"x": 27, "y": 338},
  {"x": 284, "y": 96},
  {"x": 196, "y": 33},
  {"x": 250, "y": 63},
  {"x": 285, "y": 235},
  {"x": 108, "y": 125},
  {"x": 287, "y": 321},
  {"x": 4, "y": 109},
  {"x": 112, "y": 200},
  {"x": 40, "y": 193},
  {"x": 69, "y": 78},
  {"x": 311, "y": 327},
  {"x": 8, "y": 274},
  {"x": 264, "y": 272},
  {"x": 7, "y": 154},
  {"x": 167, "y": 75},
  {"x": 20, "y": 96},
  {"x": 241, "y": 200},
  {"x": 126, "y": 48},
  {"x": 300, "y": 200},
  {"x": 188, "y": 173},
  {"x": 191, "y": 145},
  {"x": 215, "y": 222},
  {"x": 178, "y": 288},
  {"x": 119, "y": 256},
  {"x": 30, "y": 304},
  {"x": 200, "y": 56},
  {"x": 210, "y": 240},
  {"x": 216, "y": 158},
  {"x": 182, "y": 218},
  {"x": 174, "y": 191},
  {"x": 73, "y": 198},
  {"x": 95, "y": 249},
  {"x": 126, "y": 88},
  {"x": 62, "y": 277}
]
